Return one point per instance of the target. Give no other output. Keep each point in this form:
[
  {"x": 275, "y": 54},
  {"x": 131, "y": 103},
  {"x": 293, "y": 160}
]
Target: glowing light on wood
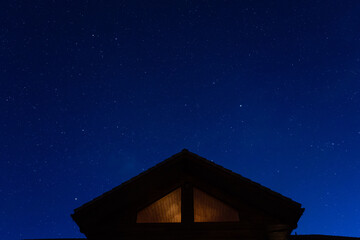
[
  {"x": 210, "y": 209},
  {"x": 164, "y": 210}
]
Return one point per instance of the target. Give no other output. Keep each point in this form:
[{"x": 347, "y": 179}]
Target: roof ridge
[{"x": 173, "y": 158}]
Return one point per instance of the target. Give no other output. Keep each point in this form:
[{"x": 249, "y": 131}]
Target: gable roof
[{"x": 171, "y": 173}]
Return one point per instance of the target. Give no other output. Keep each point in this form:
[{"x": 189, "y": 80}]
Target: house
[{"x": 190, "y": 197}]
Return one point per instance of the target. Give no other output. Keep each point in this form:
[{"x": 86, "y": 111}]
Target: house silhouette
[{"x": 189, "y": 197}]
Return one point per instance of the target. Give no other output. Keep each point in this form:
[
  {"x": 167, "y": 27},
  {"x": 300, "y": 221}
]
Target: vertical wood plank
[{"x": 187, "y": 203}]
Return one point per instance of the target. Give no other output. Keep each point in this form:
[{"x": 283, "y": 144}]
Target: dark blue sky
[{"x": 92, "y": 93}]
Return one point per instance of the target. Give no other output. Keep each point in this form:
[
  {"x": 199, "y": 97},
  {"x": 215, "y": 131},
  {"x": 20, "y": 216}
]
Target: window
[
  {"x": 164, "y": 210},
  {"x": 210, "y": 209},
  {"x": 206, "y": 209}
]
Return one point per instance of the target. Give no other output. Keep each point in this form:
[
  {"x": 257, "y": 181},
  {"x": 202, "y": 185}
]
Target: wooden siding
[
  {"x": 164, "y": 210},
  {"x": 210, "y": 209}
]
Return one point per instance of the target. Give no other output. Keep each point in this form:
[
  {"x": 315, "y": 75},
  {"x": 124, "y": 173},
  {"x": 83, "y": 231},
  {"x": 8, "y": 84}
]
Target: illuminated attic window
[
  {"x": 210, "y": 209},
  {"x": 206, "y": 209},
  {"x": 164, "y": 210}
]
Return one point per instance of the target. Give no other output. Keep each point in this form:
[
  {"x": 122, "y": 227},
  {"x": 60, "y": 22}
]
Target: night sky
[{"x": 92, "y": 93}]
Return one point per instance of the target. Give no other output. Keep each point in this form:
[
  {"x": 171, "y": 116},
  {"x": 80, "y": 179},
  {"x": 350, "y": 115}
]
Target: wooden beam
[{"x": 187, "y": 203}]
